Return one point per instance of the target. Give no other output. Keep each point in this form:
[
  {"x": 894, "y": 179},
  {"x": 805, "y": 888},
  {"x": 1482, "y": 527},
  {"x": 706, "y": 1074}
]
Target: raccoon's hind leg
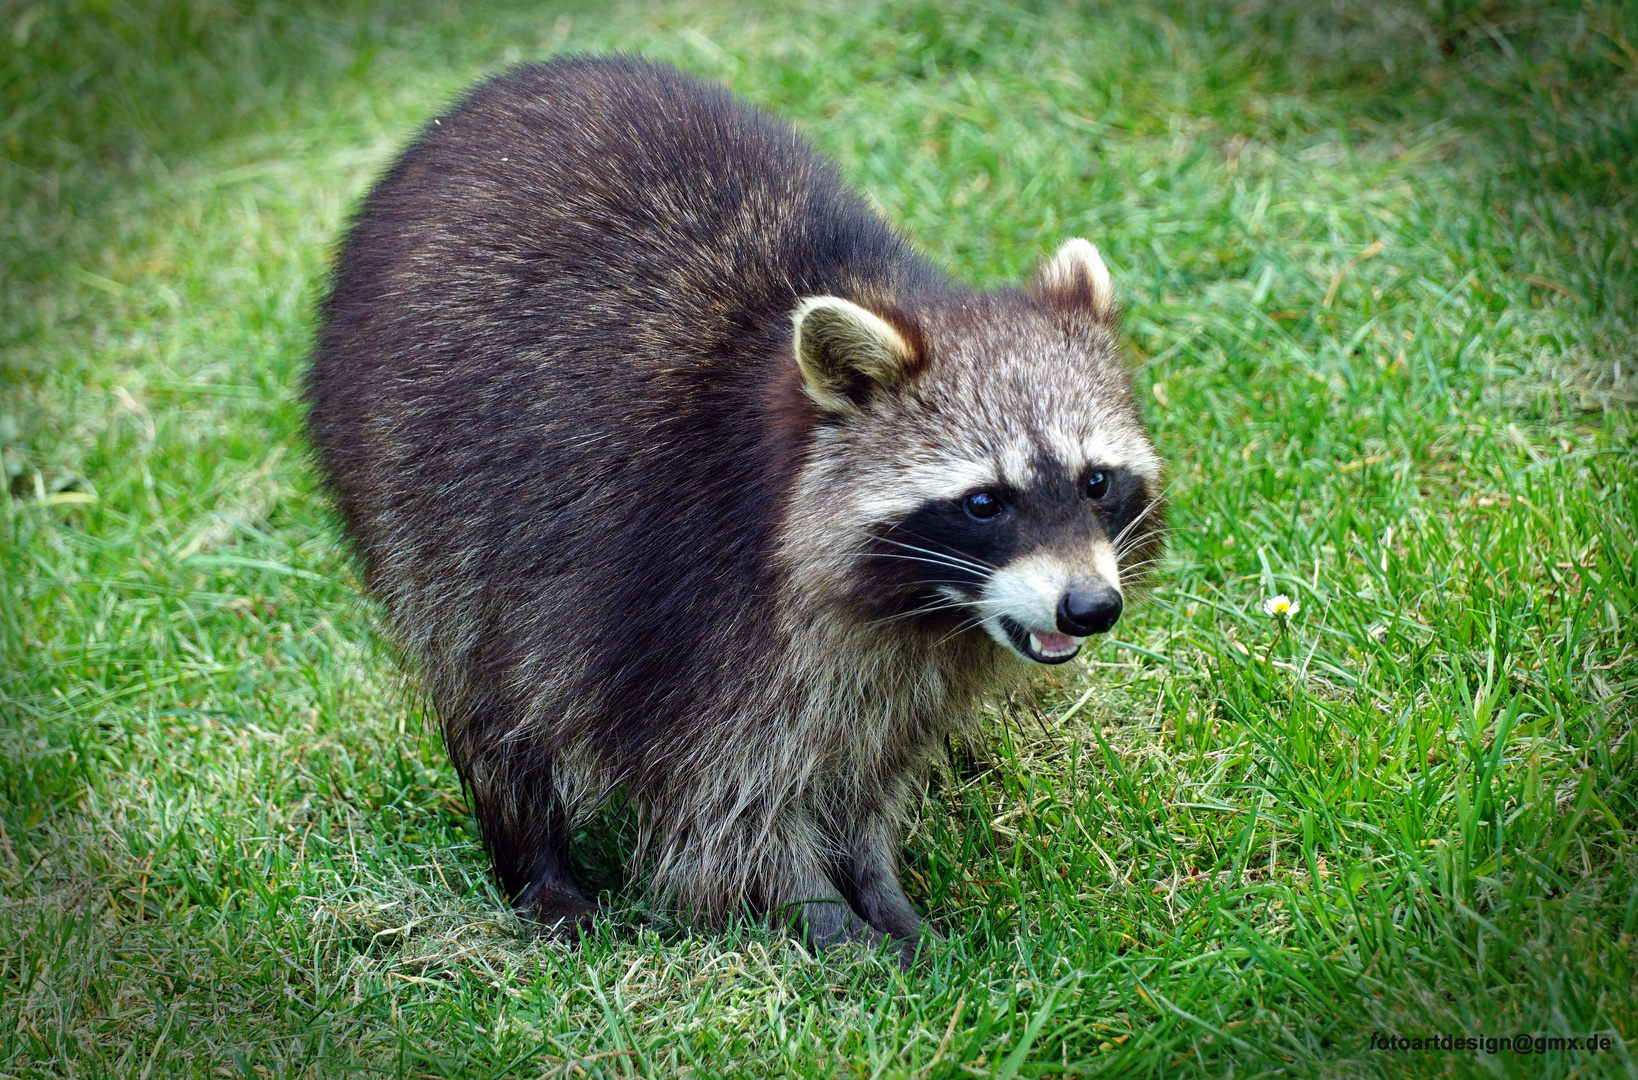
[
  {"x": 526, "y": 829},
  {"x": 553, "y": 899}
]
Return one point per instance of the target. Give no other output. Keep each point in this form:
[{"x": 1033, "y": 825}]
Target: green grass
[{"x": 1379, "y": 267}]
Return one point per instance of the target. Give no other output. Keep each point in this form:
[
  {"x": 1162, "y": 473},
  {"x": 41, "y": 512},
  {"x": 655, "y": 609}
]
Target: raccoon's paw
[
  {"x": 916, "y": 951},
  {"x": 908, "y": 952},
  {"x": 557, "y": 915},
  {"x": 830, "y": 924}
]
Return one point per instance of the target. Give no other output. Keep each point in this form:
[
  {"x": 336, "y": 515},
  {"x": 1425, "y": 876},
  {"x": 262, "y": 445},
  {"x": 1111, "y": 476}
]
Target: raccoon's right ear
[
  {"x": 845, "y": 352},
  {"x": 1076, "y": 280}
]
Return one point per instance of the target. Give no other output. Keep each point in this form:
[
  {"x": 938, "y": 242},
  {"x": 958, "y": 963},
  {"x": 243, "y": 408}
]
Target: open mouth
[{"x": 1041, "y": 646}]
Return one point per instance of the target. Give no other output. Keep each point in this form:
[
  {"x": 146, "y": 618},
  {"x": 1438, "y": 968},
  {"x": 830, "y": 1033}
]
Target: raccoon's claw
[
  {"x": 830, "y": 924},
  {"x": 913, "y": 949},
  {"x": 557, "y": 915},
  {"x": 917, "y": 950}
]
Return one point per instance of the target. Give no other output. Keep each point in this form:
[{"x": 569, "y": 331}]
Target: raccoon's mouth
[{"x": 1041, "y": 646}]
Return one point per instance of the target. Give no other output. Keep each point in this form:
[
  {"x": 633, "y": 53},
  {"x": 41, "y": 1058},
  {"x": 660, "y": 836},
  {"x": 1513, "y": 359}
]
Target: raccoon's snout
[
  {"x": 1084, "y": 612},
  {"x": 1045, "y": 607}
]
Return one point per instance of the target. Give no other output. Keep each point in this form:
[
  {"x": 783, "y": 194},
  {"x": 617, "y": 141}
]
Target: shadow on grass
[
  {"x": 92, "y": 92},
  {"x": 96, "y": 98}
]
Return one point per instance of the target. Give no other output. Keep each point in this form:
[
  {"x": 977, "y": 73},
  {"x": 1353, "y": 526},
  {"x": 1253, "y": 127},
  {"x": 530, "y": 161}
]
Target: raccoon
[{"x": 680, "y": 474}]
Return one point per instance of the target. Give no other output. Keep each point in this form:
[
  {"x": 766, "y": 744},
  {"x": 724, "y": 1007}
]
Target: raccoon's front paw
[
  {"x": 829, "y": 924},
  {"x": 916, "y": 949},
  {"x": 557, "y": 915},
  {"x": 908, "y": 952}
]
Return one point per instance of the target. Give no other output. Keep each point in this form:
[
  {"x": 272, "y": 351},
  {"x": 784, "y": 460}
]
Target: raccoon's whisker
[
  {"x": 913, "y": 613},
  {"x": 953, "y": 553},
  {"x": 1139, "y": 565},
  {"x": 961, "y": 628},
  {"x": 1126, "y": 550},
  {"x": 1131, "y": 549},
  {"x": 955, "y": 560},
  {"x": 941, "y": 564},
  {"x": 1135, "y": 570},
  {"x": 937, "y": 559},
  {"x": 1148, "y": 508},
  {"x": 1131, "y": 543},
  {"x": 1130, "y": 525}
]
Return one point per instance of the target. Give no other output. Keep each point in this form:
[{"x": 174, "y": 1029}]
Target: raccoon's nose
[{"x": 1090, "y": 612}]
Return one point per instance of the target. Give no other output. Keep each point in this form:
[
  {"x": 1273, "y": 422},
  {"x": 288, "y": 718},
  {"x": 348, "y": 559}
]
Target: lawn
[{"x": 1379, "y": 268}]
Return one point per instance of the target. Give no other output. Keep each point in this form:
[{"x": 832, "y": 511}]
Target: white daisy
[{"x": 1280, "y": 607}]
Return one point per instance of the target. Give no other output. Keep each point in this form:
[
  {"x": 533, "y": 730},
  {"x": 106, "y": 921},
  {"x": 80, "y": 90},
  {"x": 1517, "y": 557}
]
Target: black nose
[{"x": 1092, "y": 611}]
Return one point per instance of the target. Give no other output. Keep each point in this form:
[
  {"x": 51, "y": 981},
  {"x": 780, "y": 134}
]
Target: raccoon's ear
[
  {"x": 845, "y": 351},
  {"x": 1076, "y": 279}
]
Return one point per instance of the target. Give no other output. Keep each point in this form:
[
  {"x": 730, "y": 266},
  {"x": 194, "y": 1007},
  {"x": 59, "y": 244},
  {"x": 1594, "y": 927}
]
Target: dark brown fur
[{"x": 554, "y": 400}]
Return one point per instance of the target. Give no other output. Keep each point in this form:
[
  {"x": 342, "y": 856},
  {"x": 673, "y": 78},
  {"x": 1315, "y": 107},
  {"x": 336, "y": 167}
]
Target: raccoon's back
[{"x": 555, "y": 361}]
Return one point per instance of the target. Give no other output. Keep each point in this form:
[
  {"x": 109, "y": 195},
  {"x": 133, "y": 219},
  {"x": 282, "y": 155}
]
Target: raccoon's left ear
[
  {"x": 1075, "y": 279},
  {"x": 845, "y": 352}
]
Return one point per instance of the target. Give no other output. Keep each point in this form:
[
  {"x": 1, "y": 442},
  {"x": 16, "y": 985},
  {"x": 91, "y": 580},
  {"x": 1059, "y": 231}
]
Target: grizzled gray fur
[{"x": 680, "y": 474}]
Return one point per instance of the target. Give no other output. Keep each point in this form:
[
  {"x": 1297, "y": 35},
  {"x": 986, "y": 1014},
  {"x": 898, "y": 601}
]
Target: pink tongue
[{"x": 1054, "y": 643}]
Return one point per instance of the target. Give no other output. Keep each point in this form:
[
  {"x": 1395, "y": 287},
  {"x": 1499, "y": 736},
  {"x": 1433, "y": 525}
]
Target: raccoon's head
[{"x": 980, "y": 461}]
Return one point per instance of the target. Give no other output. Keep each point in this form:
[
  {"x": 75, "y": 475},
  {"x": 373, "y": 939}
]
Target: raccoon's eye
[
  {"x": 1097, "y": 484},
  {"x": 981, "y": 505}
]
